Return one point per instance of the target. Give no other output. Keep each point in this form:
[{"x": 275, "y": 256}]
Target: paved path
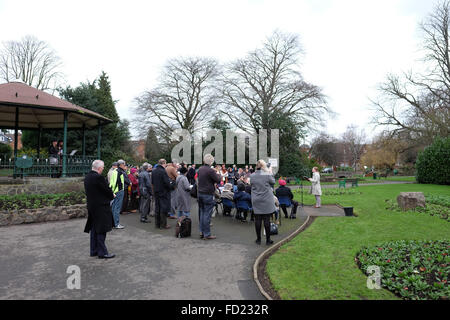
[
  {"x": 349, "y": 185},
  {"x": 150, "y": 263}
]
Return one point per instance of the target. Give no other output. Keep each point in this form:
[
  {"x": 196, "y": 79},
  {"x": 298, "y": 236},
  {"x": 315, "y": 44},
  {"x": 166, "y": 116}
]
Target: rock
[
  {"x": 16, "y": 219},
  {"x": 4, "y": 219},
  {"x": 411, "y": 200}
]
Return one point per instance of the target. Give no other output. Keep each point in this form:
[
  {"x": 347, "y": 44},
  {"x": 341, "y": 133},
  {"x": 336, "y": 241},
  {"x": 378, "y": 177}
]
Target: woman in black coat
[{"x": 100, "y": 218}]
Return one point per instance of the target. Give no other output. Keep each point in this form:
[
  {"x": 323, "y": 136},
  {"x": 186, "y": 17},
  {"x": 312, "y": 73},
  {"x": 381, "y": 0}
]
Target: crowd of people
[{"x": 169, "y": 188}]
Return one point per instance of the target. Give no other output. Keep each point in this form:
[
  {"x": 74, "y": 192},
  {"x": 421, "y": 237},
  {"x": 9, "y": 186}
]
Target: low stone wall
[
  {"x": 13, "y": 187},
  {"x": 21, "y": 216}
]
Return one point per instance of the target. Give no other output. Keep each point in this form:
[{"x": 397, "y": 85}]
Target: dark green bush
[
  {"x": 433, "y": 164},
  {"x": 5, "y": 151}
]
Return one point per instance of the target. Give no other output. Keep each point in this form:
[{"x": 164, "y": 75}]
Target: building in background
[
  {"x": 4, "y": 138},
  {"x": 138, "y": 149},
  {"x": 19, "y": 140}
]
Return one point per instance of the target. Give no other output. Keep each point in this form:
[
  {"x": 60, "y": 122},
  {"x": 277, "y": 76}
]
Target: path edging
[{"x": 270, "y": 251}]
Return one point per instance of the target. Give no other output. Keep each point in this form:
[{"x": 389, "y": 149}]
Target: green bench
[
  {"x": 21, "y": 164},
  {"x": 343, "y": 182}
]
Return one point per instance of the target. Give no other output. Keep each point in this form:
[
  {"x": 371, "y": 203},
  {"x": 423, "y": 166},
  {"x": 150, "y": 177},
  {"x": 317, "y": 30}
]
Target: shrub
[
  {"x": 35, "y": 201},
  {"x": 432, "y": 164},
  {"x": 5, "y": 151}
]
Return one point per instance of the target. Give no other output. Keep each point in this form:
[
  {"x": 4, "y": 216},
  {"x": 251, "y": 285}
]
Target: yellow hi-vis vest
[{"x": 114, "y": 185}]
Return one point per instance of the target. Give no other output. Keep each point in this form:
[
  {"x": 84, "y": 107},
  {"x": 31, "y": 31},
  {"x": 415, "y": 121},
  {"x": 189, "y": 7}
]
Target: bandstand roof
[{"x": 40, "y": 109}]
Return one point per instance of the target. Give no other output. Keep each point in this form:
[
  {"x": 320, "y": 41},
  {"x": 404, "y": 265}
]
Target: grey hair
[
  {"x": 145, "y": 166},
  {"x": 120, "y": 162},
  {"x": 97, "y": 164},
  {"x": 208, "y": 159}
]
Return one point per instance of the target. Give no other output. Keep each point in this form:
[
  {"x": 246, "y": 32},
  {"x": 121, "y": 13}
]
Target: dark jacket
[
  {"x": 207, "y": 177},
  {"x": 126, "y": 180},
  {"x": 52, "y": 151},
  {"x": 99, "y": 196},
  {"x": 243, "y": 197},
  {"x": 145, "y": 183},
  {"x": 190, "y": 175},
  {"x": 284, "y": 191},
  {"x": 161, "y": 187}
]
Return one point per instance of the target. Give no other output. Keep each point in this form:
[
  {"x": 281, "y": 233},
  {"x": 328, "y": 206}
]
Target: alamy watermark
[
  {"x": 256, "y": 144},
  {"x": 374, "y": 279},
  {"x": 74, "y": 280}
]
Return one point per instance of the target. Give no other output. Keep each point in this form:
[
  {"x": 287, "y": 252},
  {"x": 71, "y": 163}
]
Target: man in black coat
[
  {"x": 161, "y": 188},
  {"x": 191, "y": 174},
  {"x": 100, "y": 219}
]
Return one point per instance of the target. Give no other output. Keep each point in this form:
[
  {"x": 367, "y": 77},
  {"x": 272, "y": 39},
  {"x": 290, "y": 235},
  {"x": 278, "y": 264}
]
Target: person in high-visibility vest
[{"x": 118, "y": 187}]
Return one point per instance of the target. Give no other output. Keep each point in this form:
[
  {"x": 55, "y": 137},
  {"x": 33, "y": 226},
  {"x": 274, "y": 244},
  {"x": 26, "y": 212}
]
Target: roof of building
[{"x": 38, "y": 108}]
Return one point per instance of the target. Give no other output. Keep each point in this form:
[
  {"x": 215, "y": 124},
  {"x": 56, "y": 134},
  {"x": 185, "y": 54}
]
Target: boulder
[{"x": 411, "y": 200}]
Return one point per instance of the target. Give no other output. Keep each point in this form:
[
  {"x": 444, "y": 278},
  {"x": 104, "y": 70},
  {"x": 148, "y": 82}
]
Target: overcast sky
[{"x": 350, "y": 45}]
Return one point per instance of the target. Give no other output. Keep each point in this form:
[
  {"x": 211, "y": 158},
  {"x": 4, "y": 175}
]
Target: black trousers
[
  {"x": 125, "y": 201},
  {"x": 241, "y": 214},
  {"x": 294, "y": 209},
  {"x": 98, "y": 247},
  {"x": 160, "y": 215},
  {"x": 259, "y": 218},
  {"x": 226, "y": 210},
  {"x": 134, "y": 202},
  {"x": 145, "y": 202}
]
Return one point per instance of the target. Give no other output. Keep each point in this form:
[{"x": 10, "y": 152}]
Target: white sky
[{"x": 350, "y": 45}]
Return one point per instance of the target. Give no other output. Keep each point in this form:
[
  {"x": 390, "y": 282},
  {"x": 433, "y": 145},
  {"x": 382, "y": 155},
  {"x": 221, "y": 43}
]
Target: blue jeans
[
  {"x": 206, "y": 205},
  {"x": 117, "y": 206},
  {"x": 183, "y": 213}
]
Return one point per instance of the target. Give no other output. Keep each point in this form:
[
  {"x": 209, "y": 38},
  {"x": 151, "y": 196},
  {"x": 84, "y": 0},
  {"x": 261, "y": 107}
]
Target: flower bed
[
  {"x": 411, "y": 269},
  {"x": 35, "y": 201},
  {"x": 333, "y": 191}
]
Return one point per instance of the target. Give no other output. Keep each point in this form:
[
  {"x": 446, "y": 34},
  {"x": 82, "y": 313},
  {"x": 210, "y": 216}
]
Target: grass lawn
[
  {"x": 6, "y": 172},
  {"x": 361, "y": 180},
  {"x": 320, "y": 262}
]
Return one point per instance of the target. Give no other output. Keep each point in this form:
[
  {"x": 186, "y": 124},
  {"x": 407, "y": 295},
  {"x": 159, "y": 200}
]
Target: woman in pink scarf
[{"x": 134, "y": 192}]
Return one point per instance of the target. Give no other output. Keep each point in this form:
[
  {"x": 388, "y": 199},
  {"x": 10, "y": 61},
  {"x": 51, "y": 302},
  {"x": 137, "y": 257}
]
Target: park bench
[
  {"x": 21, "y": 164},
  {"x": 342, "y": 182}
]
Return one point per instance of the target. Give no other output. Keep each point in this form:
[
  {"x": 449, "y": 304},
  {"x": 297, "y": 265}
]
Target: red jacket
[{"x": 134, "y": 183}]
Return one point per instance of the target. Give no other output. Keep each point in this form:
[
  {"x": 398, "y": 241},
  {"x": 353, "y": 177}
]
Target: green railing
[{"x": 33, "y": 166}]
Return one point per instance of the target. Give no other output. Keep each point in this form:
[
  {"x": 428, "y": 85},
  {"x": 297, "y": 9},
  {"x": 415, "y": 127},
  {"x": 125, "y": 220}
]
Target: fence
[{"x": 33, "y": 166}]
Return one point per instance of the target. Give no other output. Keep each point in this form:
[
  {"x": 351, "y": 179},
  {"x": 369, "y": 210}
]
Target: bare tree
[
  {"x": 268, "y": 82},
  {"x": 325, "y": 148},
  {"x": 354, "y": 142},
  {"x": 31, "y": 61},
  {"x": 420, "y": 103},
  {"x": 185, "y": 97}
]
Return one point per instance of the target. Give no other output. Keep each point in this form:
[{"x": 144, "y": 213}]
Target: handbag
[
  {"x": 194, "y": 191},
  {"x": 273, "y": 229}
]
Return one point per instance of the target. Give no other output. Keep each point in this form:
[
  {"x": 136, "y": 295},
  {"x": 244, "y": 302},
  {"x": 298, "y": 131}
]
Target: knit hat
[
  {"x": 133, "y": 170},
  {"x": 282, "y": 182}
]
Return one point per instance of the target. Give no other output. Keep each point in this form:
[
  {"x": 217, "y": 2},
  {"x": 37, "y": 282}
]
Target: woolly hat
[{"x": 282, "y": 182}]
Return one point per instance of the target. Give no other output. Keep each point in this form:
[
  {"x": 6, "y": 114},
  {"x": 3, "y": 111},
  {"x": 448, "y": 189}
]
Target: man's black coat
[
  {"x": 161, "y": 187},
  {"x": 99, "y": 196}
]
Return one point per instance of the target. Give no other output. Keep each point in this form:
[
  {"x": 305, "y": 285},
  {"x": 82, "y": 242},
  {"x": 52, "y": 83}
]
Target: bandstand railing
[{"x": 33, "y": 166}]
